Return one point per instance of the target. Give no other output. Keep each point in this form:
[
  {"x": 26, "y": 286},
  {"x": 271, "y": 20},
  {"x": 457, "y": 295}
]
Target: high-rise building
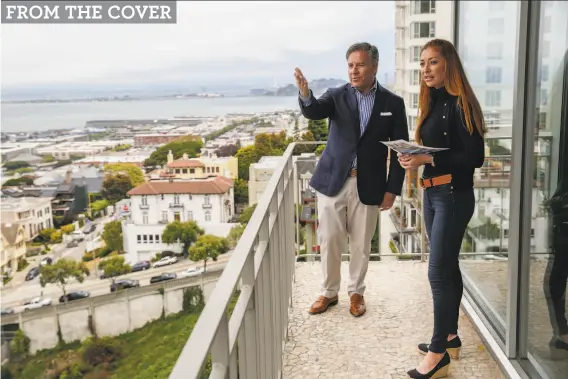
[{"x": 417, "y": 22}]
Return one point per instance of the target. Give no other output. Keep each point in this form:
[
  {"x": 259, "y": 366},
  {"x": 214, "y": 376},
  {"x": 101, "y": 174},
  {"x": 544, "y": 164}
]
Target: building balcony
[
  {"x": 269, "y": 333},
  {"x": 144, "y": 206},
  {"x": 177, "y": 205},
  {"x": 206, "y": 206}
]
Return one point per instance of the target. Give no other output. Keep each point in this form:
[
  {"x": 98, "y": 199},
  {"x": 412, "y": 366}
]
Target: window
[
  {"x": 414, "y": 53},
  {"x": 496, "y": 26},
  {"x": 413, "y": 100},
  {"x": 177, "y": 216},
  {"x": 138, "y": 238},
  {"x": 493, "y": 75},
  {"x": 184, "y": 170},
  {"x": 547, "y": 24},
  {"x": 151, "y": 237},
  {"x": 415, "y": 77},
  {"x": 543, "y": 74},
  {"x": 423, "y": 6},
  {"x": 494, "y": 50},
  {"x": 189, "y": 215},
  {"x": 493, "y": 98},
  {"x": 145, "y": 238},
  {"x": 496, "y": 5},
  {"x": 423, "y": 29},
  {"x": 157, "y": 238},
  {"x": 543, "y": 96},
  {"x": 144, "y": 200},
  {"x": 545, "y": 49},
  {"x": 207, "y": 200},
  {"x": 145, "y": 218},
  {"x": 411, "y": 122},
  {"x": 165, "y": 216},
  {"x": 207, "y": 216},
  {"x": 176, "y": 199},
  {"x": 217, "y": 169},
  {"x": 192, "y": 171}
]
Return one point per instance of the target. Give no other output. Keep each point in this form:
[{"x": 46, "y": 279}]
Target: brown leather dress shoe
[
  {"x": 322, "y": 303},
  {"x": 357, "y": 307}
]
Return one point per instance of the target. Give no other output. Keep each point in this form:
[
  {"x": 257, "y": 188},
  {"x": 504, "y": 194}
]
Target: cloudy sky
[{"x": 212, "y": 42}]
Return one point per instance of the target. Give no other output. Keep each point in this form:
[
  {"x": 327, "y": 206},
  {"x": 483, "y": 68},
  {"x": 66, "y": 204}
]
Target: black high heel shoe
[
  {"x": 440, "y": 371},
  {"x": 454, "y": 348},
  {"x": 558, "y": 349}
]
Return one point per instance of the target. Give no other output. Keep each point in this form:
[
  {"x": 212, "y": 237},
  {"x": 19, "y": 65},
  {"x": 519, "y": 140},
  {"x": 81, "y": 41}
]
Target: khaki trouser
[{"x": 340, "y": 217}]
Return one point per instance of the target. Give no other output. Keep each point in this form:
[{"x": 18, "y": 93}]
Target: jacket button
[
  {"x": 445, "y": 133},
  {"x": 445, "y": 104},
  {"x": 443, "y": 116}
]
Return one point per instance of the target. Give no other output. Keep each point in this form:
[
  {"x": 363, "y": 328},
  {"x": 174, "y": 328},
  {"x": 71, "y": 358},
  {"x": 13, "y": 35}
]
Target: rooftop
[
  {"x": 21, "y": 204},
  {"x": 215, "y": 185}
]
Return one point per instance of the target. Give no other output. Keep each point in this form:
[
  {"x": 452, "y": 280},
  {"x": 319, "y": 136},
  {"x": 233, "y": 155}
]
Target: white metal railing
[{"x": 249, "y": 344}]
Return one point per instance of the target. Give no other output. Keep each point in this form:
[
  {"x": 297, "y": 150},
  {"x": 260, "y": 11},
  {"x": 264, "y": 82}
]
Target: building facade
[
  {"x": 32, "y": 213},
  {"x": 514, "y": 256},
  {"x": 156, "y": 203},
  {"x": 12, "y": 248}
]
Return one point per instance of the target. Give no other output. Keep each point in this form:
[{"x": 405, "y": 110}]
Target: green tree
[
  {"x": 27, "y": 180},
  {"x": 15, "y": 165},
  {"x": 208, "y": 247},
  {"x": 61, "y": 271},
  {"x": 115, "y": 187},
  {"x": 112, "y": 235},
  {"x": 246, "y": 155},
  {"x": 244, "y": 218},
  {"x": 300, "y": 149},
  {"x": 131, "y": 170},
  {"x": 319, "y": 129},
  {"x": 190, "y": 145},
  {"x": 114, "y": 267},
  {"x": 241, "y": 191},
  {"x": 185, "y": 233},
  {"x": 319, "y": 150},
  {"x": 235, "y": 234}
]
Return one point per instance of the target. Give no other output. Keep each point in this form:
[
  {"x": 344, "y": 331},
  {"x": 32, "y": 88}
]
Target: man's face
[{"x": 362, "y": 70}]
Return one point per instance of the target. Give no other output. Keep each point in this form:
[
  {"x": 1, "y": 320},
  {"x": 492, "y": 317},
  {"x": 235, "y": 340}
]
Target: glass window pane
[
  {"x": 549, "y": 240},
  {"x": 490, "y": 66}
]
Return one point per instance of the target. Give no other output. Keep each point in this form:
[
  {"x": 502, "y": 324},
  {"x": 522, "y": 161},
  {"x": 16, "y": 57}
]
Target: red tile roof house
[{"x": 155, "y": 203}]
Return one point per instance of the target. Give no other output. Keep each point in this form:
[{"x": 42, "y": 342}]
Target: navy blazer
[{"x": 388, "y": 121}]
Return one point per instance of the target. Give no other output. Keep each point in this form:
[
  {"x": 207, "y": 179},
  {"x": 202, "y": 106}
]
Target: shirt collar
[{"x": 373, "y": 88}]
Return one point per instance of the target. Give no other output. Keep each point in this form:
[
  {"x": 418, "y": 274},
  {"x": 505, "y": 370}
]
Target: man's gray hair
[{"x": 364, "y": 46}]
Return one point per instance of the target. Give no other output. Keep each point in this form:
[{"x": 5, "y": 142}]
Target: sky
[{"x": 250, "y": 43}]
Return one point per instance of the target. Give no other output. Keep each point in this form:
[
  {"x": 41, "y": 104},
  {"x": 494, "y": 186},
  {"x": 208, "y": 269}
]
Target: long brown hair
[{"x": 456, "y": 83}]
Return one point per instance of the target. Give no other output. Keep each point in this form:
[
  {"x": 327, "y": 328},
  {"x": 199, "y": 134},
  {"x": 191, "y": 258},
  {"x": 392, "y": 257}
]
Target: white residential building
[
  {"x": 417, "y": 22},
  {"x": 259, "y": 176},
  {"x": 154, "y": 204},
  {"x": 33, "y": 213}
]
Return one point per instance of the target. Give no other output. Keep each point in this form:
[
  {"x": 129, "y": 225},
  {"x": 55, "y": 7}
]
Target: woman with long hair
[{"x": 450, "y": 117}]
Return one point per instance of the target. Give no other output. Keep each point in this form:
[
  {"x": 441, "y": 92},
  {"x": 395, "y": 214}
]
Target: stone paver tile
[{"x": 380, "y": 344}]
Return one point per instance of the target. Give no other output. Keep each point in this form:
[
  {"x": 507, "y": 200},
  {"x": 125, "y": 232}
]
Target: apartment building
[
  {"x": 154, "y": 139},
  {"x": 416, "y": 23},
  {"x": 259, "y": 176},
  {"x": 33, "y": 213},
  {"x": 12, "y": 246},
  {"x": 154, "y": 204}
]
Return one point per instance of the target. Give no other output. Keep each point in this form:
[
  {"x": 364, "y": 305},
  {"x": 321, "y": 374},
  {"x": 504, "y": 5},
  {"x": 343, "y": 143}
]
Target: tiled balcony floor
[{"x": 382, "y": 343}]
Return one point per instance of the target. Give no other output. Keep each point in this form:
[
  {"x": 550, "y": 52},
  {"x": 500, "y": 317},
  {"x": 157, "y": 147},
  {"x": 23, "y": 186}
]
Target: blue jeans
[{"x": 446, "y": 214}]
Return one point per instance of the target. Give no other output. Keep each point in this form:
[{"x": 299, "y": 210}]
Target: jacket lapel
[
  {"x": 380, "y": 99},
  {"x": 353, "y": 109}
]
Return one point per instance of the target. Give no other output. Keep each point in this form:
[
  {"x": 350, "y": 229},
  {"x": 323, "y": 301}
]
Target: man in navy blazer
[{"x": 351, "y": 178}]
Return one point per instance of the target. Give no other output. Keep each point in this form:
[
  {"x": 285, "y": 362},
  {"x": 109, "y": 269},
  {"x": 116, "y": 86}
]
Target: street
[{"x": 15, "y": 297}]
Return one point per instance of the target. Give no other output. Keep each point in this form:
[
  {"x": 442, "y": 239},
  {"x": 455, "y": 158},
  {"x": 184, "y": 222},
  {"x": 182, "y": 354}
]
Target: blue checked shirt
[{"x": 365, "y": 103}]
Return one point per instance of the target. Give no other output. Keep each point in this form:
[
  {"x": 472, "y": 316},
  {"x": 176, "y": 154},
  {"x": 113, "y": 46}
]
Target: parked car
[
  {"x": 163, "y": 277},
  {"x": 123, "y": 284},
  {"x": 73, "y": 243},
  {"x": 32, "y": 274},
  {"x": 194, "y": 271},
  {"x": 165, "y": 261},
  {"x": 76, "y": 295},
  {"x": 141, "y": 266},
  {"x": 36, "y": 302},
  {"x": 7, "y": 311},
  {"x": 89, "y": 228},
  {"x": 46, "y": 261}
]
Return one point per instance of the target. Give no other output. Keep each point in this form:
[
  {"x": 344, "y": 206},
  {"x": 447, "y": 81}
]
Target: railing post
[
  {"x": 248, "y": 353},
  {"x": 220, "y": 350}
]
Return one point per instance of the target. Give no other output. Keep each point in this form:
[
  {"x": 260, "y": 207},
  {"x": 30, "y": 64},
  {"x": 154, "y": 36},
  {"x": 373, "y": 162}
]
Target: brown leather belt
[
  {"x": 353, "y": 172},
  {"x": 436, "y": 181}
]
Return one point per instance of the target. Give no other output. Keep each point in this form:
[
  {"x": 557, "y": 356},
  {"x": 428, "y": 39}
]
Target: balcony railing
[
  {"x": 177, "y": 205},
  {"x": 249, "y": 344}
]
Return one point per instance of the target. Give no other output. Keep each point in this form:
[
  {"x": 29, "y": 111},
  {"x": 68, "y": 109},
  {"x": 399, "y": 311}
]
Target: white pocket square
[{"x": 386, "y": 114}]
